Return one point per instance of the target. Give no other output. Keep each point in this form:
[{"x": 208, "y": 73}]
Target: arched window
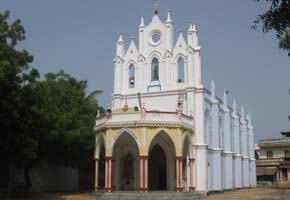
[
  {"x": 180, "y": 78},
  {"x": 154, "y": 70},
  {"x": 131, "y": 76}
]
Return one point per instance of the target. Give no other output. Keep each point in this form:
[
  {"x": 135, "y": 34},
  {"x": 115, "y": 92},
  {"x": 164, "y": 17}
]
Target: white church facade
[{"x": 164, "y": 130}]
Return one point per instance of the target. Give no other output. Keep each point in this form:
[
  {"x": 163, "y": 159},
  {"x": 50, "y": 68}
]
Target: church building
[{"x": 164, "y": 130}]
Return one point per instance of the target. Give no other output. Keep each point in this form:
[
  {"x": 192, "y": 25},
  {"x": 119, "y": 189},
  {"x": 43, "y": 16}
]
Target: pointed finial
[
  {"x": 168, "y": 20},
  {"x": 249, "y": 119},
  {"x": 225, "y": 98},
  {"x": 242, "y": 113},
  {"x": 98, "y": 113},
  {"x": 192, "y": 27},
  {"x": 156, "y": 8},
  {"x": 212, "y": 87},
  {"x": 234, "y": 107},
  {"x": 142, "y": 24},
  {"x": 121, "y": 38}
]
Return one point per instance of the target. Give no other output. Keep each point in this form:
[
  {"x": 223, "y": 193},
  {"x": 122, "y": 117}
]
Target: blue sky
[{"x": 80, "y": 37}]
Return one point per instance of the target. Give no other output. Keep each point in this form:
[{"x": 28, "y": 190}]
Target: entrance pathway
[{"x": 244, "y": 194}]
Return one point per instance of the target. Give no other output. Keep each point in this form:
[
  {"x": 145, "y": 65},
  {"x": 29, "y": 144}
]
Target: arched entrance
[
  {"x": 125, "y": 166},
  {"x": 161, "y": 163},
  {"x": 157, "y": 169}
]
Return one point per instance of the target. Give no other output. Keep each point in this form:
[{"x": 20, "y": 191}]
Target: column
[
  {"x": 227, "y": 156},
  {"x": 146, "y": 174},
  {"x": 143, "y": 174},
  {"x": 181, "y": 173},
  {"x": 244, "y": 149},
  {"x": 237, "y": 153},
  {"x": 96, "y": 174},
  {"x": 200, "y": 145},
  {"x": 108, "y": 174},
  {"x": 179, "y": 180},
  {"x": 215, "y": 165},
  {"x": 191, "y": 173},
  {"x": 177, "y": 174}
]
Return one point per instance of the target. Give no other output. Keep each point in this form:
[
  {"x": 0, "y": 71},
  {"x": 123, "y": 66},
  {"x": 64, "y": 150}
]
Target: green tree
[
  {"x": 41, "y": 120},
  {"x": 70, "y": 117},
  {"x": 277, "y": 18},
  {"x": 19, "y": 115}
]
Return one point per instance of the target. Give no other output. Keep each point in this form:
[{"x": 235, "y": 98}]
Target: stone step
[{"x": 149, "y": 196}]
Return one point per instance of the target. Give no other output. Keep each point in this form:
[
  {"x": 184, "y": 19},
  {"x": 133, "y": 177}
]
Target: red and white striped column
[
  {"x": 143, "y": 173},
  {"x": 96, "y": 174},
  {"x": 179, "y": 174},
  {"x": 108, "y": 174}
]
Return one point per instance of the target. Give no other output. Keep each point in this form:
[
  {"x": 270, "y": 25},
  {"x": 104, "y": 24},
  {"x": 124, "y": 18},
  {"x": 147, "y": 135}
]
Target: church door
[
  {"x": 157, "y": 169},
  {"x": 128, "y": 175}
]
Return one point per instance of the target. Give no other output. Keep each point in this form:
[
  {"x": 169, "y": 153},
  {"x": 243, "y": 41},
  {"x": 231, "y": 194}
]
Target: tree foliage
[
  {"x": 18, "y": 113},
  {"x": 277, "y": 18},
  {"x": 70, "y": 116},
  {"x": 50, "y": 119}
]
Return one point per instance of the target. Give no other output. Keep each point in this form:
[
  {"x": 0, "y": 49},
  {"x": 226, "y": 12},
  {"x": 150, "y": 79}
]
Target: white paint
[{"x": 228, "y": 136}]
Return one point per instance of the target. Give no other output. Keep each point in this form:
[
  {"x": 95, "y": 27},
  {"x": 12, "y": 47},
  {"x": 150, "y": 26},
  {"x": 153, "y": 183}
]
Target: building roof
[
  {"x": 275, "y": 142},
  {"x": 266, "y": 171}
]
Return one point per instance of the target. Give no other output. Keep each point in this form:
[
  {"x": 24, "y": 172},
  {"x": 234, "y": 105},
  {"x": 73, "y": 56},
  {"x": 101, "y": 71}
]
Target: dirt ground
[
  {"x": 252, "y": 194},
  {"x": 244, "y": 194}
]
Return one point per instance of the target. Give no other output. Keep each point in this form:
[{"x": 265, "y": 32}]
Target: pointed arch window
[
  {"x": 131, "y": 76},
  {"x": 155, "y": 70},
  {"x": 180, "y": 63}
]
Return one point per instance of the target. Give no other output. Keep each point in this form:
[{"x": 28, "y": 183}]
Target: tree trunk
[{"x": 27, "y": 181}]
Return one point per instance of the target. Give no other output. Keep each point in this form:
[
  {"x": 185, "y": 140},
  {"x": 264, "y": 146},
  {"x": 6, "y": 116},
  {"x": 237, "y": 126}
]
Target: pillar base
[
  {"x": 144, "y": 189},
  {"x": 179, "y": 189},
  {"x": 96, "y": 189},
  {"x": 191, "y": 189},
  {"x": 108, "y": 189}
]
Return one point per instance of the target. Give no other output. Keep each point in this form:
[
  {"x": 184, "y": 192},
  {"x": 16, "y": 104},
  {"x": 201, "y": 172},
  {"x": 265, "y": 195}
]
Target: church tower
[{"x": 157, "y": 65}]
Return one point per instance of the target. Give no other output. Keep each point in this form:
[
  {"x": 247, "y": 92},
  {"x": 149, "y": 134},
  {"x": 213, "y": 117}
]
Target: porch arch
[
  {"x": 125, "y": 156},
  {"x": 161, "y": 144}
]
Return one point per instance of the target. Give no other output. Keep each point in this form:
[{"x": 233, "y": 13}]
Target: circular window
[{"x": 156, "y": 37}]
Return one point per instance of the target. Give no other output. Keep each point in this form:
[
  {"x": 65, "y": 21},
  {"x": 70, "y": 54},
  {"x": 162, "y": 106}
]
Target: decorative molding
[
  {"x": 143, "y": 123},
  {"x": 120, "y": 132}
]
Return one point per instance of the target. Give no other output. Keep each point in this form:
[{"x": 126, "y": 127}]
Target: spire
[
  {"x": 156, "y": 8},
  {"x": 225, "y": 99},
  {"x": 249, "y": 119},
  {"x": 168, "y": 20},
  {"x": 142, "y": 24},
  {"x": 234, "y": 107},
  {"x": 120, "y": 49},
  {"x": 120, "y": 38},
  {"x": 212, "y": 90},
  {"x": 242, "y": 113},
  {"x": 212, "y": 87},
  {"x": 192, "y": 27},
  {"x": 132, "y": 40}
]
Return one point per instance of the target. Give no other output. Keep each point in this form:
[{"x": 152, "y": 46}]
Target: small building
[{"x": 273, "y": 163}]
